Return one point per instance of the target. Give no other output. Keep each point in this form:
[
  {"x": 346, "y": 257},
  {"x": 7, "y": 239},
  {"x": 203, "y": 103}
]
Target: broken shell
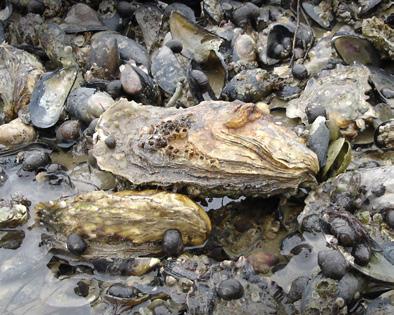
[
  {"x": 355, "y": 48},
  {"x": 384, "y": 135},
  {"x": 204, "y": 147},
  {"x": 197, "y": 42},
  {"x": 120, "y": 223},
  {"x": 321, "y": 13},
  {"x": 148, "y": 17},
  {"x": 49, "y": 96},
  {"x": 339, "y": 156}
]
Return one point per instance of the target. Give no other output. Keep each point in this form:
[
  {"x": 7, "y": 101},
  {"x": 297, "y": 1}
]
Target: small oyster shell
[
  {"x": 218, "y": 147},
  {"x": 341, "y": 92},
  {"x": 127, "y": 217}
]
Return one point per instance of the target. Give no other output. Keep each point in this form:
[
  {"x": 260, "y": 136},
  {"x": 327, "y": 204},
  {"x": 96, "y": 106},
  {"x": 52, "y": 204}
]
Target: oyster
[
  {"x": 119, "y": 224},
  {"x": 217, "y": 147},
  {"x": 19, "y": 72},
  {"x": 341, "y": 92},
  {"x": 380, "y": 34}
]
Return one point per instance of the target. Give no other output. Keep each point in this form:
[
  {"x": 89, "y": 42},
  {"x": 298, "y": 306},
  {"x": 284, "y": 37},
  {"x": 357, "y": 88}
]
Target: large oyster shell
[
  {"x": 216, "y": 147},
  {"x": 122, "y": 221}
]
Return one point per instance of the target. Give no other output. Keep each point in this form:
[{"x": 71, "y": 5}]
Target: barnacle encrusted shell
[
  {"x": 216, "y": 147},
  {"x": 341, "y": 91},
  {"x": 127, "y": 216}
]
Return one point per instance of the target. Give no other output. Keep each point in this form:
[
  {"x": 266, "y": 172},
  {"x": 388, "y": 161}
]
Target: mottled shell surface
[
  {"x": 127, "y": 216},
  {"x": 218, "y": 148},
  {"x": 340, "y": 91},
  {"x": 19, "y": 71}
]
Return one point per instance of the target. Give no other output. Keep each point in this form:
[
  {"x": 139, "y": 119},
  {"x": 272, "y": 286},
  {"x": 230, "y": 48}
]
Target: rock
[
  {"x": 172, "y": 243},
  {"x": 319, "y": 138},
  {"x": 11, "y": 239},
  {"x": 230, "y": 289},
  {"x": 16, "y": 132},
  {"x": 76, "y": 244},
  {"x": 34, "y": 160},
  {"x": 299, "y": 72},
  {"x": 262, "y": 261},
  {"x": 332, "y": 264},
  {"x": 297, "y": 288},
  {"x": 362, "y": 254}
]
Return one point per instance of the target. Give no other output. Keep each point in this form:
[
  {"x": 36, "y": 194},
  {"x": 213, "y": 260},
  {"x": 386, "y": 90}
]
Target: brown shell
[{"x": 218, "y": 148}]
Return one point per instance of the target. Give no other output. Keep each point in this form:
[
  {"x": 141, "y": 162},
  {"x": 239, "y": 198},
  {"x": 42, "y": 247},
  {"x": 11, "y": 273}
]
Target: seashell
[
  {"x": 116, "y": 225},
  {"x": 68, "y": 133},
  {"x": 197, "y": 42},
  {"x": 12, "y": 214},
  {"x": 105, "y": 59},
  {"x": 250, "y": 86},
  {"x": 82, "y": 18},
  {"x": 355, "y": 48},
  {"x": 128, "y": 48},
  {"x": 383, "y": 82},
  {"x": 380, "y": 34},
  {"x": 384, "y": 135},
  {"x": 19, "y": 72},
  {"x": 16, "y": 132},
  {"x": 166, "y": 70},
  {"x": 212, "y": 147},
  {"x": 6, "y": 11},
  {"x": 321, "y": 14},
  {"x": 319, "y": 138},
  {"x": 180, "y": 9},
  {"x": 343, "y": 105},
  {"x": 245, "y": 14},
  {"x": 339, "y": 156},
  {"x": 49, "y": 96},
  {"x": 148, "y": 17}
]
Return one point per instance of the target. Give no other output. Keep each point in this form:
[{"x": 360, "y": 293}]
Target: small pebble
[
  {"x": 35, "y": 160},
  {"x": 332, "y": 264},
  {"x": 299, "y": 72},
  {"x": 314, "y": 111},
  {"x": 389, "y": 218},
  {"x": 110, "y": 142},
  {"x": 175, "y": 45},
  {"x": 121, "y": 291},
  {"x": 172, "y": 243},
  {"x": 362, "y": 254},
  {"x": 114, "y": 88},
  {"x": 76, "y": 244},
  {"x": 262, "y": 261},
  {"x": 230, "y": 289},
  {"x": 297, "y": 288}
]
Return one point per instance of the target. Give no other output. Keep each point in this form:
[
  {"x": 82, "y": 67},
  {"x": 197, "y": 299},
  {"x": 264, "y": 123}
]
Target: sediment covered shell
[
  {"x": 217, "y": 147},
  {"x": 380, "y": 34},
  {"x": 125, "y": 220},
  {"x": 19, "y": 72},
  {"x": 341, "y": 92}
]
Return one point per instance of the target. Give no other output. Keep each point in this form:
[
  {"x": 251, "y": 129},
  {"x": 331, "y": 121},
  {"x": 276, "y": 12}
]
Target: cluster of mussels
[{"x": 144, "y": 115}]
